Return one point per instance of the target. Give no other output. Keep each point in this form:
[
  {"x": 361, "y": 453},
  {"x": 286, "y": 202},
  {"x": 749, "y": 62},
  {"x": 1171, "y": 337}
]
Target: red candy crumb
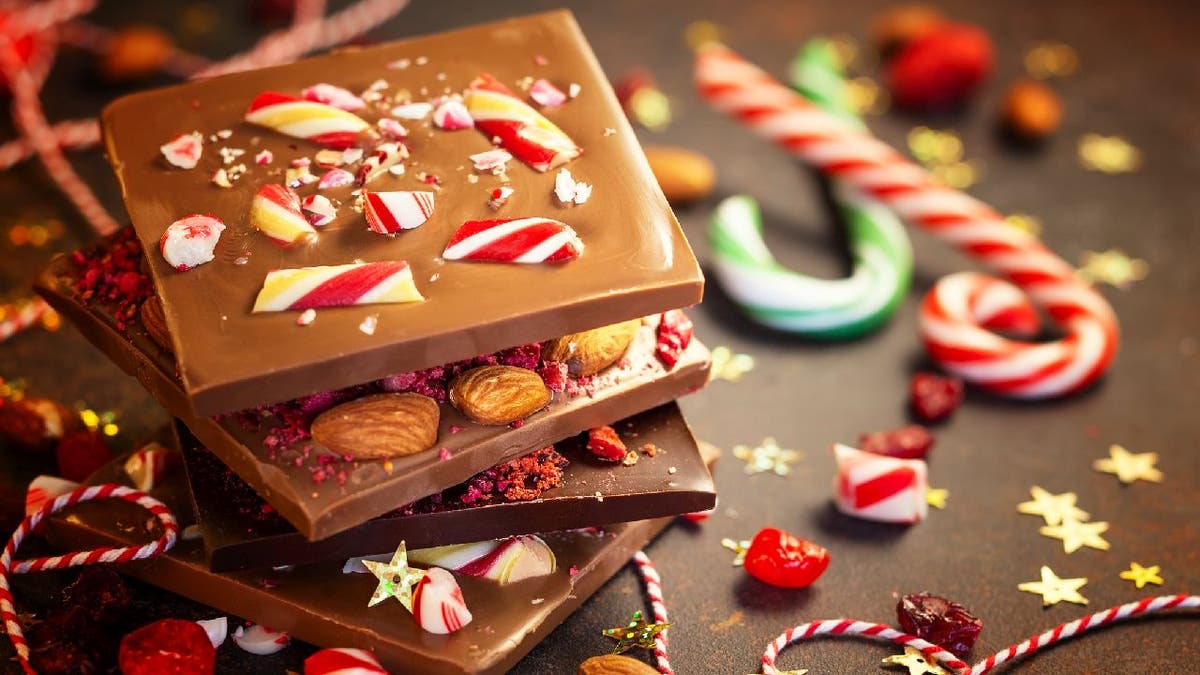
[
  {"x": 674, "y": 336},
  {"x": 939, "y": 621},
  {"x": 777, "y": 558},
  {"x": 935, "y": 397},
  {"x": 169, "y": 646},
  {"x": 942, "y": 68},
  {"x": 911, "y": 442},
  {"x": 604, "y": 443},
  {"x": 81, "y": 453}
]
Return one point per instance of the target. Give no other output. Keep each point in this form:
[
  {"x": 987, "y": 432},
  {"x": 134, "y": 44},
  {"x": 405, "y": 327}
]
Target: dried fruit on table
[
  {"x": 591, "y": 351},
  {"x": 100, "y": 592},
  {"x": 941, "y": 69},
  {"x": 935, "y": 397},
  {"x": 939, "y": 621},
  {"x": 381, "y": 425},
  {"x": 167, "y": 646},
  {"x": 80, "y": 453},
  {"x": 910, "y": 442},
  {"x": 498, "y": 394},
  {"x": 1031, "y": 111},
  {"x": 780, "y": 559},
  {"x": 684, "y": 175}
]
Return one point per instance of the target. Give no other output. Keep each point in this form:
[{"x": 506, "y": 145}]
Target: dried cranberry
[
  {"x": 604, "y": 443},
  {"x": 942, "y": 68},
  {"x": 911, "y": 442},
  {"x": 554, "y": 374},
  {"x": 100, "y": 592},
  {"x": 939, "y": 621},
  {"x": 674, "y": 336},
  {"x": 64, "y": 659},
  {"x": 64, "y": 642},
  {"x": 780, "y": 559},
  {"x": 168, "y": 646},
  {"x": 522, "y": 356},
  {"x": 80, "y": 454},
  {"x": 934, "y": 397}
]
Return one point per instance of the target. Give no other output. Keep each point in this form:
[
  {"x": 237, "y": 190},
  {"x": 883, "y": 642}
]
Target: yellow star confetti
[
  {"x": 396, "y": 578},
  {"x": 1129, "y": 466},
  {"x": 700, "y": 33},
  {"x": 1108, "y": 154},
  {"x": 1055, "y": 590},
  {"x": 1051, "y": 59},
  {"x": 936, "y": 497},
  {"x": 1076, "y": 534},
  {"x": 637, "y": 633},
  {"x": 1054, "y": 509},
  {"x": 1140, "y": 576},
  {"x": 866, "y": 97},
  {"x": 767, "y": 457},
  {"x": 1026, "y": 223},
  {"x": 1113, "y": 267},
  {"x": 915, "y": 661},
  {"x": 729, "y": 366},
  {"x": 738, "y": 547}
]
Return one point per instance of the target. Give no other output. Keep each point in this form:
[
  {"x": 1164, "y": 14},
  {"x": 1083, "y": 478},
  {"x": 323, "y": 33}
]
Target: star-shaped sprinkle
[
  {"x": 936, "y": 497},
  {"x": 729, "y": 366},
  {"x": 1055, "y": 590},
  {"x": 1129, "y": 466},
  {"x": 1113, "y": 267},
  {"x": 915, "y": 661},
  {"x": 1140, "y": 576},
  {"x": 1076, "y": 534},
  {"x": 1054, "y": 509},
  {"x": 738, "y": 547},
  {"x": 767, "y": 456},
  {"x": 396, "y": 578},
  {"x": 1108, "y": 154},
  {"x": 637, "y": 633}
]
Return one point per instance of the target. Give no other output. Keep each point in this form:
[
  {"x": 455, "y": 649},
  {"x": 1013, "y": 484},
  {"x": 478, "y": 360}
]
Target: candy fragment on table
[
  {"x": 877, "y": 487},
  {"x": 337, "y": 286}
]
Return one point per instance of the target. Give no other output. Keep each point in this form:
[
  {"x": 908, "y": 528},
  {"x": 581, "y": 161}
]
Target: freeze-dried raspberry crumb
[
  {"x": 171, "y": 646},
  {"x": 523, "y": 356},
  {"x": 911, "y": 442},
  {"x": 100, "y": 592},
  {"x": 604, "y": 443},
  {"x": 935, "y": 397},
  {"x": 554, "y": 374},
  {"x": 521, "y": 479},
  {"x": 939, "y": 621},
  {"x": 674, "y": 336},
  {"x": 111, "y": 274}
]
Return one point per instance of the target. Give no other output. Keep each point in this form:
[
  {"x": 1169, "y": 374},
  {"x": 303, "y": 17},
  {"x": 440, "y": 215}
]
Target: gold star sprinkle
[
  {"x": 1054, "y": 509},
  {"x": 767, "y": 456},
  {"x": 700, "y": 33},
  {"x": 1140, "y": 576},
  {"x": 637, "y": 633},
  {"x": 396, "y": 579},
  {"x": 1026, "y": 223},
  {"x": 936, "y": 497},
  {"x": 1128, "y": 466},
  {"x": 1112, "y": 267},
  {"x": 866, "y": 97},
  {"x": 915, "y": 661},
  {"x": 738, "y": 547},
  {"x": 1108, "y": 154},
  {"x": 1055, "y": 590},
  {"x": 729, "y": 366},
  {"x": 931, "y": 146},
  {"x": 1051, "y": 59},
  {"x": 1076, "y": 534}
]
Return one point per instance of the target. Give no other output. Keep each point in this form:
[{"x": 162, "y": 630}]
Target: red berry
[
  {"x": 939, "y": 621},
  {"x": 934, "y": 397},
  {"x": 80, "y": 454},
  {"x": 780, "y": 559},
  {"x": 674, "y": 336},
  {"x": 604, "y": 443},
  {"x": 167, "y": 647},
  {"x": 911, "y": 442},
  {"x": 942, "y": 68}
]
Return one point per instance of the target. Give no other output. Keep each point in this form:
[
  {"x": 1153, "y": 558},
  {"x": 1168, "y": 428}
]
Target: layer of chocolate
[
  {"x": 240, "y": 533},
  {"x": 319, "y": 604},
  {"x": 357, "y": 491},
  {"x": 636, "y": 261}
]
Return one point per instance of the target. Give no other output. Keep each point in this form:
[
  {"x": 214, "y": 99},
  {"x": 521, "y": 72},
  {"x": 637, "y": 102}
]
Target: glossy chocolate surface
[{"x": 636, "y": 261}]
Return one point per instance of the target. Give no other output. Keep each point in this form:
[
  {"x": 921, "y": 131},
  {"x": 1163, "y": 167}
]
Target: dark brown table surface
[{"x": 1138, "y": 75}]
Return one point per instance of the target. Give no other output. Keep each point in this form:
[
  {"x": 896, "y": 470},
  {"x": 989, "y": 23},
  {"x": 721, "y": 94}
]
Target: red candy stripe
[
  {"x": 347, "y": 287},
  {"x": 519, "y": 240},
  {"x": 343, "y": 661}
]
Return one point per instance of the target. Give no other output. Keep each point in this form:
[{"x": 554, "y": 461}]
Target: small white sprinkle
[
  {"x": 573, "y": 89},
  {"x": 224, "y": 133},
  {"x": 396, "y": 169},
  {"x": 609, "y": 131},
  {"x": 399, "y": 64},
  {"x": 537, "y": 601},
  {"x": 671, "y": 470},
  {"x": 434, "y": 277},
  {"x": 306, "y": 317},
  {"x": 369, "y": 324},
  {"x": 422, "y": 60},
  {"x": 599, "y": 496}
]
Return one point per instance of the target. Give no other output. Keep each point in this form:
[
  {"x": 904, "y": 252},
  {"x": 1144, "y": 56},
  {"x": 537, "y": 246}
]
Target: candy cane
[
  {"x": 934, "y": 652},
  {"x": 658, "y": 607},
  {"x": 17, "y": 317},
  {"x": 106, "y": 554},
  {"x": 949, "y": 324}
]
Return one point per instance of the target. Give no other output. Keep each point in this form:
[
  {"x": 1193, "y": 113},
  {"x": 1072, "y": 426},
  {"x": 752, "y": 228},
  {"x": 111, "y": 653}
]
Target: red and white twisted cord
[
  {"x": 18, "y": 317},
  {"x": 70, "y": 135},
  {"x": 948, "y": 326},
  {"x": 935, "y": 653},
  {"x": 41, "y": 16},
  {"x": 107, "y": 554},
  {"x": 658, "y": 608}
]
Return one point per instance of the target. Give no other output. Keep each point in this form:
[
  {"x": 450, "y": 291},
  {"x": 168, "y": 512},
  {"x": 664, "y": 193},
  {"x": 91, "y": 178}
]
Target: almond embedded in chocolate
[
  {"x": 155, "y": 322},
  {"x": 498, "y": 394},
  {"x": 382, "y": 425},
  {"x": 591, "y": 351}
]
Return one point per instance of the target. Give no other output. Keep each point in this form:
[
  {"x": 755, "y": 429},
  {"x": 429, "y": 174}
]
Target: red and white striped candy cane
[
  {"x": 658, "y": 607},
  {"x": 933, "y": 652},
  {"x": 950, "y": 323},
  {"x": 18, "y": 317},
  {"x": 106, "y": 554}
]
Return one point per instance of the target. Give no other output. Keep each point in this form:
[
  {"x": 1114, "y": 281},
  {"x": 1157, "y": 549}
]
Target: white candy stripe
[
  {"x": 548, "y": 246},
  {"x": 386, "y": 286},
  {"x": 487, "y": 237}
]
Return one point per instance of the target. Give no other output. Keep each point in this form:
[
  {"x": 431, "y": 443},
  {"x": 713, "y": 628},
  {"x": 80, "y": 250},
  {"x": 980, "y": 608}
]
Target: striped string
[{"x": 658, "y": 608}]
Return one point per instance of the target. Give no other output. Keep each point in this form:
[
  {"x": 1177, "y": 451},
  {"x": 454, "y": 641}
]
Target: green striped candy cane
[{"x": 778, "y": 297}]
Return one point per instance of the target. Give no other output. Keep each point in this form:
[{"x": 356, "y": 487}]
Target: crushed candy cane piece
[
  {"x": 492, "y": 161},
  {"x": 546, "y": 94},
  {"x": 369, "y": 324},
  {"x": 514, "y": 240},
  {"x": 876, "y": 487},
  {"x": 221, "y": 178},
  {"x": 452, "y": 115},
  {"x": 391, "y": 128},
  {"x": 499, "y": 197},
  {"x": 217, "y": 630},
  {"x": 438, "y": 604},
  {"x": 343, "y": 661},
  {"x": 335, "y": 178},
  {"x": 260, "y": 640},
  {"x": 147, "y": 466},
  {"x": 570, "y": 191},
  {"x": 44, "y": 489},
  {"x": 351, "y": 155},
  {"x": 299, "y": 175},
  {"x": 396, "y": 169},
  {"x": 318, "y": 209},
  {"x": 574, "y": 89},
  {"x": 385, "y": 156},
  {"x": 504, "y": 561},
  {"x": 327, "y": 158},
  {"x": 275, "y": 211},
  {"x": 228, "y": 155},
  {"x": 412, "y": 111},
  {"x": 264, "y": 157},
  {"x": 522, "y": 130},
  {"x": 388, "y": 281},
  {"x": 306, "y": 317},
  {"x": 184, "y": 150},
  {"x": 190, "y": 241},
  {"x": 391, "y": 212},
  {"x": 333, "y": 95},
  {"x": 320, "y": 123}
]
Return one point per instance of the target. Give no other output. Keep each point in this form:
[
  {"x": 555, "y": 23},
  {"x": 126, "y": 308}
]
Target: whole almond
[
  {"x": 498, "y": 394},
  {"x": 381, "y": 425},
  {"x": 155, "y": 322},
  {"x": 591, "y": 351},
  {"x": 614, "y": 664},
  {"x": 684, "y": 175}
]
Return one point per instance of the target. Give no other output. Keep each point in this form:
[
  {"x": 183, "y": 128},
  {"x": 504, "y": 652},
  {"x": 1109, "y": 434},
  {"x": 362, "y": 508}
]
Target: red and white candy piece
[
  {"x": 384, "y": 157},
  {"x": 275, "y": 211},
  {"x": 876, "y": 487},
  {"x": 147, "y": 466},
  {"x": 343, "y": 661},
  {"x": 389, "y": 281},
  {"x": 570, "y": 191},
  {"x": 546, "y": 94},
  {"x": 333, "y": 95},
  {"x": 522, "y": 130},
  {"x": 184, "y": 150},
  {"x": 260, "y": 640},
  {"x": 190, "y": 241},
  {"x": 217, "y": 630},
  {"x": 392, "y": 129},
  {"x": 391, "y": 212},
  {"x": 318, "y": 209},
  {"x": 514, "y": 240},
  {"x": 452, "y": 115},
  {"x": 499, "y": 197},
  {"x": 320, "y": 123},
  {"x": 491, "y": 161},
  {"x": 44, "y": 489},
  {"x": 438, "y": 604},
  {"x": 504, "y": 561},
  {"x": 412, "y": 111},
  {"x": 335, "y": 178}
]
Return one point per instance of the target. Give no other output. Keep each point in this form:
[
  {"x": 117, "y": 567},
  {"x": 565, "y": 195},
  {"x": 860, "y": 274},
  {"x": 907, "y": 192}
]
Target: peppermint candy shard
[
  {"x": 384, "y": 157},
  {"x": 880, "y": 488},
  {"x": 260, "y": 640},
  {"x": 147, "y": 466},
  {"x": 546, "y": 94},
  {"x": 335, "y": 178},
  {"x": 522, "y": 130},
  {"x": 320, "y": 123},
  {"x": 504, "y": 561},
  {"x": 184, "y": 150},
  {"x": 43, "y": 489},
  {"x": 391, "y": 212},
  {"x": 389, "y": 281},
  {"x": 190, "y": 241},
  {"x": 333, "y": 95},
  {"x": 452, "y": 115},
  {"x": 514, "y": 240},
  {"x": 343, "y": 661},
  {"x": 438, "y": 604},
  {"x": 217, "y": 630},
  {"x": 275, "y": 211},
  {"x": 318, "y": 209}
]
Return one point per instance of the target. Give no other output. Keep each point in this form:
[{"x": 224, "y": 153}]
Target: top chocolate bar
[{"x": 457, "y": 280}]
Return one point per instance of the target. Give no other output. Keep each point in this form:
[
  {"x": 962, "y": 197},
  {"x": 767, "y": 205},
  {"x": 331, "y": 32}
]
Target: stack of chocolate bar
[{"x": 425, "y": 293}]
